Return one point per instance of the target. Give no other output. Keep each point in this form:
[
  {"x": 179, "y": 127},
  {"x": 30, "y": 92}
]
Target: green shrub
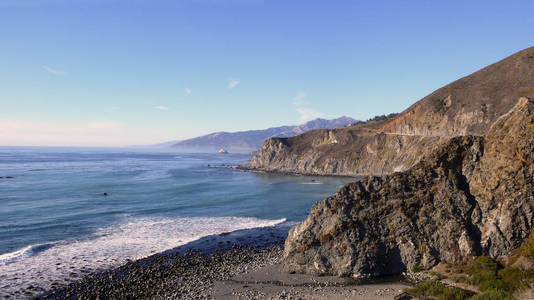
[
  {"x": 484, "y": 273},
  {"x": 481, "y": 270},
  {"x": 527, "y": 249},
  {"x": 417, "y": 269},
  {"x": 493, "y": 284},
  {"x": 514, "y": 278},
  {"x": 438, "y": 290},
  {"x": 496, "y": 281},
  {"x": 493, "y": 295}
]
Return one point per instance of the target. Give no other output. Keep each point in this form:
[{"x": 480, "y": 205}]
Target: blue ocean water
[{"x": 67, "y": 211}]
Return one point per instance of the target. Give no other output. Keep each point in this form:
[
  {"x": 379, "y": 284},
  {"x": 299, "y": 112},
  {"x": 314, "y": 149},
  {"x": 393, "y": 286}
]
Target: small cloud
[
  {"x": 54, "y": 71},
  {"x": 104, "y": 125},
  {"x": 187, "y": 91},
  {"x": 299, "y": 98},
  {"x": 307, "y": 114},
  {"x": 161, "y": 107},
  {"x": 232, "y": 83}
]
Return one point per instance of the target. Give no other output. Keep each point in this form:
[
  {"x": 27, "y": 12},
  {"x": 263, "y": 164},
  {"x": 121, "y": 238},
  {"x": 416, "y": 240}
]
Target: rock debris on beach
[
  {"x": 229, "y": 274},
  {"x": 168, "y": 276}
]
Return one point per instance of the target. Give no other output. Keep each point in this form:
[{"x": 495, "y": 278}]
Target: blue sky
[{"x": 110, "y": 72}]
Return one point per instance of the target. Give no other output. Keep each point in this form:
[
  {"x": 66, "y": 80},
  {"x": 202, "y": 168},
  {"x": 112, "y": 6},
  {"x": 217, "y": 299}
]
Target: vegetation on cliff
[{"x": 492, "y": 279}]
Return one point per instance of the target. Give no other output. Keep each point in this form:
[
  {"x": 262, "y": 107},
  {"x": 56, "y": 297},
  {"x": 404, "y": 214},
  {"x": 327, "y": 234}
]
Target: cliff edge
[
  {"x": 472, "y": 196},
  {"x": 468, "y": 106}
]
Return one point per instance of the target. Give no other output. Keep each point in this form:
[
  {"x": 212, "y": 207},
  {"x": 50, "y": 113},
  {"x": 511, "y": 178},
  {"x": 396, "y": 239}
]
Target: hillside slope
[
  {"x": 254, "y": 139},
  {"x": 472, "y": 196},
  {"x": 468, "y": 106}
]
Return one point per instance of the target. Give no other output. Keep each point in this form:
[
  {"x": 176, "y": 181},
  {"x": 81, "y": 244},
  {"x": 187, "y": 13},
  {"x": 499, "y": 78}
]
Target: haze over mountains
[{"x": 253, "y": 139}]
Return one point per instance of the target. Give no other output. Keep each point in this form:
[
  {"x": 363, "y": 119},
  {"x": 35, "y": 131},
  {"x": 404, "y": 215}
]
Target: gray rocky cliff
[
  {"x": 347, "y": 152},
  {"x": 470, "y": 196}
]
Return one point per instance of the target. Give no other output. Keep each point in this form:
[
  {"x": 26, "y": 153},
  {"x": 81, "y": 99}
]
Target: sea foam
[{"x": 43, "y": 266}]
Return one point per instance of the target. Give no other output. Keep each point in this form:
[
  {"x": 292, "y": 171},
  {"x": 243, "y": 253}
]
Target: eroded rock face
[
  {"x": 471, "y": 196},
  {"x": 502, "y": 182},
  {"x": 347, "y": 151}
]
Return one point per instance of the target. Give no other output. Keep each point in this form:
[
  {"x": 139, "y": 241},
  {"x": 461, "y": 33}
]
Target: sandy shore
[
  {"x": 271, "y": 282},
  {"x": 237, "y": 272}
]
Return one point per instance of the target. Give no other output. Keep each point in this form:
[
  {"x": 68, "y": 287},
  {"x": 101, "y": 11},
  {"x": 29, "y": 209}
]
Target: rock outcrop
[
  {"x": 472, "y": 195},
  {"x": 346, "y": 152},
  {"x": 468, "y": 106}
]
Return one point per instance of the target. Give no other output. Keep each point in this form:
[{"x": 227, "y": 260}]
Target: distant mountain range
[{"x": 253, "y": 139}]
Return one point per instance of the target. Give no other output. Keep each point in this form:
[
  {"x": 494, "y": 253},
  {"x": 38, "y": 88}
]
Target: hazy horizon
[{"x": 122, "y": 73}]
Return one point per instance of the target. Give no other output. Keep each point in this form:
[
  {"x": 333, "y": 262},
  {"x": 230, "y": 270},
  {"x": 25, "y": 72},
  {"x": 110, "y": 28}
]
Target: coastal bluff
[
  {"x": 449, "y": 179},
  {"x": 468, "y": 106},
  {"x": 473, "y": 196}
]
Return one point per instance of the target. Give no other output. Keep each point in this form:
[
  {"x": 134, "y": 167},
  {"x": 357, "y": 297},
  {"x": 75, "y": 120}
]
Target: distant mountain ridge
[
  {"x": 467, "y": 106},
  {"x": 254, "y": 139}
]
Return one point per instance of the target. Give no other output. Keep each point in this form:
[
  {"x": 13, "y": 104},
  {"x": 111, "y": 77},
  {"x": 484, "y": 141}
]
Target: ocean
[{"x": 66, "y": 212}]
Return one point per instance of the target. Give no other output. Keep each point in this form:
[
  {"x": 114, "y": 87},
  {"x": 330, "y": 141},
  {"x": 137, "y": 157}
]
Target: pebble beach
[{"x": 233, "y": 271}]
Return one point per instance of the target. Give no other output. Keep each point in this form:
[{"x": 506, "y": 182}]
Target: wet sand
[{"x": 271, "y": 282}]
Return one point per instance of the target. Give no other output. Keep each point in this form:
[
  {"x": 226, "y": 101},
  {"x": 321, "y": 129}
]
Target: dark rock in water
[
  {"x": 9, "y": 177},
  {"x": 105, "y": 194},
  {"x": 473, "y": 196}
]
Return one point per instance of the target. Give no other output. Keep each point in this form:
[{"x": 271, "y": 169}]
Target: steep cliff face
[
  {"x": 502, "y": 183},
  {"x": 468, "y": 106},
  {"x": 471, "y": 104},
  {"x": 348, "y": 152},
  {"x": 471, "y": 196}
]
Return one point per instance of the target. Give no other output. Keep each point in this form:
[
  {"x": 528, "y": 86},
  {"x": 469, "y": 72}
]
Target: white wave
[
  {"x": 312, "y": 182},
  {"x": 12, "y": 256},
  {"x": 110, "y": 247}
]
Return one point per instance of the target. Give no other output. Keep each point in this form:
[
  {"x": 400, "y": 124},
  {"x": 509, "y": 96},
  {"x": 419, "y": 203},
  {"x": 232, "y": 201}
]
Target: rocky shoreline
[
  {"x": 235, "y": 272},
  {"x": 247, "y": 168},
  {"x": 169, "y": 276}
]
